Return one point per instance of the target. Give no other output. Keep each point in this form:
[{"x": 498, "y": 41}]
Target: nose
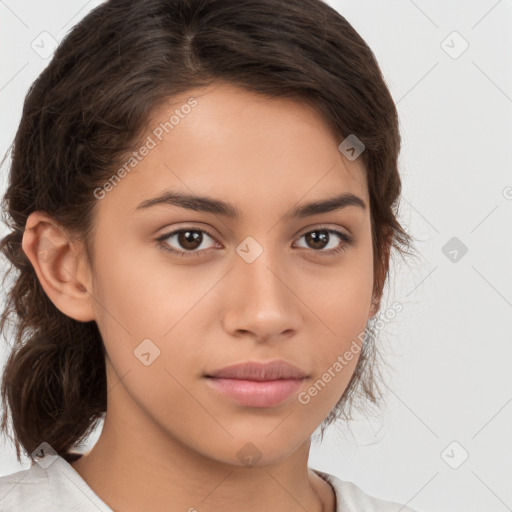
[{"x": 260, "y": 299}]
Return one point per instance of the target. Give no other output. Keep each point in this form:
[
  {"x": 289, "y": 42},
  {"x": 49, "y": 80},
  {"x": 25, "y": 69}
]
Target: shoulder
[
  {"x": 54, "y": 487},
  {"x": 351, "y": 497},
  {"x": 26, "y": 490}
]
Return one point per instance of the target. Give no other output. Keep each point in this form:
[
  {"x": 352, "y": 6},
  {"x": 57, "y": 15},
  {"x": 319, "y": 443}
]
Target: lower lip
[{"x": 253, "y": 393}]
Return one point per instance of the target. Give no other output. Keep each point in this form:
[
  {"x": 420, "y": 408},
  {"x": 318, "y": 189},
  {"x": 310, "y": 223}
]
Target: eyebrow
[{"x": 218, "y": 207}]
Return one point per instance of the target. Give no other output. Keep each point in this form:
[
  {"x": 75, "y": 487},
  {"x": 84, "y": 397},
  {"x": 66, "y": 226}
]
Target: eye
[
  {"x": 321, "y": 237},
  {"x": 189, "y": 239}
]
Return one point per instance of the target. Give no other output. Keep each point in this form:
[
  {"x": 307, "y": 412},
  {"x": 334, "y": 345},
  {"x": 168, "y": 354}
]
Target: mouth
[
  {"x": 257, "y": 384},
  {"x": 256, "y": 393}
]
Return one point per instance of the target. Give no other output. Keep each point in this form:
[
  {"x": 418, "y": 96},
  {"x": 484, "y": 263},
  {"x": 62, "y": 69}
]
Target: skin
[{"x": 168, "y": 439}]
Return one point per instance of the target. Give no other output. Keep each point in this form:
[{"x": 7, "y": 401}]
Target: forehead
[{"x": 255, "y": 152}]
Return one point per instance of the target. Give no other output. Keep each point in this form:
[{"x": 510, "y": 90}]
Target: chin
[{"x": 257, "y": 448}]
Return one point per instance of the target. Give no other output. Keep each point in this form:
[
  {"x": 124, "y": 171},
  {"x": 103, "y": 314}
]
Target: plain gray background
[{"x": 450, "y": 394}]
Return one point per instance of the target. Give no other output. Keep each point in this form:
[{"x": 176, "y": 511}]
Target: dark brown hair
[{"x": 90, "y": 107}]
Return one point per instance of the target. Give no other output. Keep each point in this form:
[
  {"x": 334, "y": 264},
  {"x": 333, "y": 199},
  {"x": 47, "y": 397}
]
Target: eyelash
[{"x": 347, "y": 241}]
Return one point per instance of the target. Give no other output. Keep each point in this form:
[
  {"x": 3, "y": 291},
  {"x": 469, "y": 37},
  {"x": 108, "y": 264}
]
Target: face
[{"x": 262, "y": 285}]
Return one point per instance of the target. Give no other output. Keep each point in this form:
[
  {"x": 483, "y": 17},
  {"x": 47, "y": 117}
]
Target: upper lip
[{"x": 260, "y": 371}]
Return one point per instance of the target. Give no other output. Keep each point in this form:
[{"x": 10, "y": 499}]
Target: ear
[{"x": 62, "y": 269}]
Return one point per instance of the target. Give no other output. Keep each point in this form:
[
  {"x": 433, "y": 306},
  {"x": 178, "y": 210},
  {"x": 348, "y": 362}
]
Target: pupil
[
  {"x": 190, "y": 239},
  {"x": 322, "y": 238}
]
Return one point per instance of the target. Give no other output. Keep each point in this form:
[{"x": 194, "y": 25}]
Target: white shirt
[{"x": 59, "y": 488}]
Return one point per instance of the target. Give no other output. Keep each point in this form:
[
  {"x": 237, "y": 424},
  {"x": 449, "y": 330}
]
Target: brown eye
[
  {"x": 188, "y": 241},
  {"x": 318, "y": 239}
]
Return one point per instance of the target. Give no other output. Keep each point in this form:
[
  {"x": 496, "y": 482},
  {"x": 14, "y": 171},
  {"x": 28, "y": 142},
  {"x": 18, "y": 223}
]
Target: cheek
[
  {"x": 139, "y": 289},
  {"x": 345, "y": 296},
  {"x": 343, "y": 308},
  {"x": 337, "y": 346},
  {"x": 346, "y": 306},
  {"x": 150, "y": 308}
]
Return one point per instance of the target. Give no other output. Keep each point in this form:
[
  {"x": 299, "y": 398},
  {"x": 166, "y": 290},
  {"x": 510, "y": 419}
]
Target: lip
[
  {"x": 257, "y": 384},
  {"x": 260, "y": 371}
]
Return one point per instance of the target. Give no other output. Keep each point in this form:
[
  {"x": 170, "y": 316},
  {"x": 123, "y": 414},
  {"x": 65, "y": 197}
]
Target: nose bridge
[
  {"x": 260, "y": 267},
  {"x": 261, "y": 300}
]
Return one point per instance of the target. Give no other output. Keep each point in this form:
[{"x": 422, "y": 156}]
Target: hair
[{"x": 91, "y": 106}]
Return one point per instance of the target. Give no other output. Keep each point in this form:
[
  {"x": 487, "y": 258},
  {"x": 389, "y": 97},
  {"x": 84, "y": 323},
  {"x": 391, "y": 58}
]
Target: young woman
[{"x": 202, "y": 205}]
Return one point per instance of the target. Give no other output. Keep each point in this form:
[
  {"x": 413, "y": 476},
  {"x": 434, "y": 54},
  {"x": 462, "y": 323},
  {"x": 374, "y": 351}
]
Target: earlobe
[{"x": 59, "y": 266}]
